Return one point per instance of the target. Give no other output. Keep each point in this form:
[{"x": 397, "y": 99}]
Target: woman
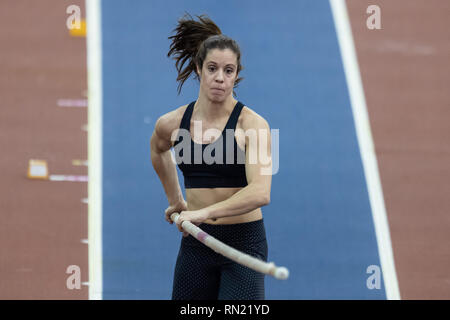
[{"x": 225, "y": 197}]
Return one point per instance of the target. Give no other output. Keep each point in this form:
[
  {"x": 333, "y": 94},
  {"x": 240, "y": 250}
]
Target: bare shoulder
[
  {"x": 250, "y": 119},
  {"x": 169, "y": 122}
]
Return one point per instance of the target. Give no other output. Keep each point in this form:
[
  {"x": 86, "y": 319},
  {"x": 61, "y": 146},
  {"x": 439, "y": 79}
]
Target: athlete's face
[{"x": 218, "y": 74}]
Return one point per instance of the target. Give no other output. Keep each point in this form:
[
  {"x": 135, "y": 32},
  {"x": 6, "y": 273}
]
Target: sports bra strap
[
  {"x": 231, "y": 123},
  {"x": 186, "y": 120}
]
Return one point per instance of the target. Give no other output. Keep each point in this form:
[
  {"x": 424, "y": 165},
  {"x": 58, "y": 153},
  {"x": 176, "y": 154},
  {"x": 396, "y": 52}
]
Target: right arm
[{"x": 160, "y": 144}]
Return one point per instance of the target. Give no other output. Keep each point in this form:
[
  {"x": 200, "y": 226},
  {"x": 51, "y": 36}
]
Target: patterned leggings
[{"x": 203, "y": 274}]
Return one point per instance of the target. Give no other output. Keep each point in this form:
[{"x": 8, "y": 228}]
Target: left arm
[
  {"x": 258, "y": 168},
  {"x": 257, "y": 193}
]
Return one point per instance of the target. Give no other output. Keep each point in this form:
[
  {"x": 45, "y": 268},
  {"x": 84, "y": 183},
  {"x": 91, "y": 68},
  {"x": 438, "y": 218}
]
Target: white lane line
[
  {"x": 366, "y": 147},
  {"x": 65, "y": 177},
  {"x": 72, "y": 103},
  {"x": 95, "y": 91}
]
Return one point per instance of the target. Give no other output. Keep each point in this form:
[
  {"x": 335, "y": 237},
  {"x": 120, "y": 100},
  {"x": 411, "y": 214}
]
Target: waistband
[
  {"x": 214, "y": 182},
  {"x": 247, "y": 232}
]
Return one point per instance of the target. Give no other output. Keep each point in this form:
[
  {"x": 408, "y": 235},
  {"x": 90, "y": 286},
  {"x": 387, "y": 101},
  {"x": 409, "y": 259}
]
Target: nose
[{"x": 219, "y": 76}]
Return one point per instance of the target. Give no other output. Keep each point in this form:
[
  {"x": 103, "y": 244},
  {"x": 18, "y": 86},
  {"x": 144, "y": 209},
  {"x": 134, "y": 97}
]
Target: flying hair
[{"x": 191, "y": 43}]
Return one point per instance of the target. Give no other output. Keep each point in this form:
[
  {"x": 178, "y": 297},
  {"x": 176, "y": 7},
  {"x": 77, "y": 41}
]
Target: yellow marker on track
[
  {"x": 37, "y": 169},
  {"x": 77, "y": 162},
  {"x": 79, "y": 32}
]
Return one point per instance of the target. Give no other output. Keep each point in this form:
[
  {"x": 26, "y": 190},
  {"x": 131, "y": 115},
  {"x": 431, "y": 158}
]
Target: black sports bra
[{"x": 220, "y": 164}]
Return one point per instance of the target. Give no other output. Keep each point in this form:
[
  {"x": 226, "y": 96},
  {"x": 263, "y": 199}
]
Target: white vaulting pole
[{"x": 244, "y": 259}]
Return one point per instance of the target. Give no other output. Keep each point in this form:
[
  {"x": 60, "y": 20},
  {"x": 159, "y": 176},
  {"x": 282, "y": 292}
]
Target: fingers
[
  {"x": 166, "y": 215},
  {"x": 168, "y": 212},
  {"x": 168, "y": 218},
  {"x": 179, "y": 223},
  {"x": 180, "y": 228}
]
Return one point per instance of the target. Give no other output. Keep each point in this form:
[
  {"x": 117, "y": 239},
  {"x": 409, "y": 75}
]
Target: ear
[{"x": 199, "y": 72}]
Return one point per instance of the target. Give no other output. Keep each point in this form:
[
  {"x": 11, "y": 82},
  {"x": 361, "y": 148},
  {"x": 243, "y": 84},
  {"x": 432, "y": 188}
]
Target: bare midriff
[{"x": 199, "y": 198}]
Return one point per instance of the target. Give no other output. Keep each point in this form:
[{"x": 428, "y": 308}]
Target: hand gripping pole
[{"x": 244, "y": 259}]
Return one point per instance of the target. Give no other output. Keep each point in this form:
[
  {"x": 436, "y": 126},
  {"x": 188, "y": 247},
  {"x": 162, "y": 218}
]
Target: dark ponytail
[{"x": 192, "y": 42}]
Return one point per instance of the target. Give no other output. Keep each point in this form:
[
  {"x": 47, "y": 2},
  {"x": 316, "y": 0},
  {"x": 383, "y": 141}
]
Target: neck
[{"x": 211, "y": 110}]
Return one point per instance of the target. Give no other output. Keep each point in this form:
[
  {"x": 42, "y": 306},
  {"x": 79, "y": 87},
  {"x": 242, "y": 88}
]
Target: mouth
[{"x": 217, "y": 89}]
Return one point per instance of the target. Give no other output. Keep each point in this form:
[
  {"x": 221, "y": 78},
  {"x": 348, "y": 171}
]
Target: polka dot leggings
[{"x": 203, "y": 274}]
